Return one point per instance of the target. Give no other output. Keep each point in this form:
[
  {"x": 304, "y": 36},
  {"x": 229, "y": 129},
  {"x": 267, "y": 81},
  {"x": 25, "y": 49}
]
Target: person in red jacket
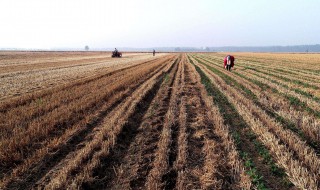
[{"x": 228, "y": 62}]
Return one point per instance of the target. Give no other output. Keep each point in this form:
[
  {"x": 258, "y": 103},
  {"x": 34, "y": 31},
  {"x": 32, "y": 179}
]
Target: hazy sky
[{"x": 155, "y": 23}]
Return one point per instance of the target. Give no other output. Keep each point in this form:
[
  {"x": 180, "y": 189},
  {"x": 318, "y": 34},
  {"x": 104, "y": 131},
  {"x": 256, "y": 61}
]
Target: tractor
[{"x": 116, "y": 54}]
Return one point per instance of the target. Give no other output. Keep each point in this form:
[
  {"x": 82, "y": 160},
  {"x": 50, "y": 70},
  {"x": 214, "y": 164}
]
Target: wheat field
[{"x": 84, "y": 120}]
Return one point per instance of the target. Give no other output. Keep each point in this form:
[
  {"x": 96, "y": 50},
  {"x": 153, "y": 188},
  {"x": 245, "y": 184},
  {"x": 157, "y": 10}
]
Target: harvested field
[
  {"x": 26, "y": 72},
  {"x": 173, "y": 121}
]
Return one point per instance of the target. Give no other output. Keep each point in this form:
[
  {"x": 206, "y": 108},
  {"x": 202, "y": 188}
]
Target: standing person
[
  {"x": 228, "y": 62},
  {"x": 154, "y": 52}
]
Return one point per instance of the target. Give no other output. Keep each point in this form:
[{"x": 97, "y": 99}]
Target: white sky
[{"x": 155, "y": 23}]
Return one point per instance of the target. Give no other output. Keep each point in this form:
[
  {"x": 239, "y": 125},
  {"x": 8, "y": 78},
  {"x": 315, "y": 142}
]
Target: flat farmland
[
  {"x": 24, "y": 72},
  {"x": 84, "y": 120}
]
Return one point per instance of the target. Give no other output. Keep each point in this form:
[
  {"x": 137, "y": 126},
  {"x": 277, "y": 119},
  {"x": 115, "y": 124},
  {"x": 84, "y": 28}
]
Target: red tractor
[{"x": 115, "y": 53}]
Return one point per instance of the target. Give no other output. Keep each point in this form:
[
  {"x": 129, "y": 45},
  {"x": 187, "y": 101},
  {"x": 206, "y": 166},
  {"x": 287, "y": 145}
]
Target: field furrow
[
  {"x": 258, "y": 120},
  {"x": 255, "y": 165},
  {"x": 159, "y": 176},
  {"x": 141, "y": 141},
  {"x": 53, "y": 144},
  {"x": 36, "y": 78},
  {"x": 280, "y": 108},
  {"x": 308, "y": 86},
  {"x": 104, "y": 139},
  {"x": 84, "y": 120},
  {"x": 205, "y": 167}
]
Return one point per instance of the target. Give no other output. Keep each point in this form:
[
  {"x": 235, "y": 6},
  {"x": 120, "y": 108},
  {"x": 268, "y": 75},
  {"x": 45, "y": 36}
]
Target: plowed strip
[
  {"x": 137, "y": 163},
  {"x": 205, "y": 167},
  {"x": 68, "y": 137},
  {"x": 305, "y": 179},
  {"x": 103, "y": 142},
  {"x": 157, "y": 177}
]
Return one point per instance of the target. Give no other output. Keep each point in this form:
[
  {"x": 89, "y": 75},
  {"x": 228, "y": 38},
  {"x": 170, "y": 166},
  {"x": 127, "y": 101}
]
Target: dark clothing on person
[
  {"x": 228, "y": 67},
  {"x": 228, "y": 62}
]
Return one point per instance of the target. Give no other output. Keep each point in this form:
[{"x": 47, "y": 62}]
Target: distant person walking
[
  {"x": 154, "y": 52},
  {"x": 228, "y": 62}
]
